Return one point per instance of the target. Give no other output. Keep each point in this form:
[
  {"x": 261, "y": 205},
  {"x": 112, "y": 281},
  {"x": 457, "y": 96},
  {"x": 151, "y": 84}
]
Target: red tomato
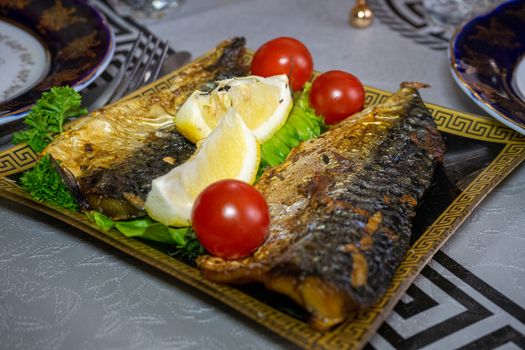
[
  {"x": 284, "y": 56},
  {"x": 336, "y": 95},
  {"x": 230, "y": 219}
]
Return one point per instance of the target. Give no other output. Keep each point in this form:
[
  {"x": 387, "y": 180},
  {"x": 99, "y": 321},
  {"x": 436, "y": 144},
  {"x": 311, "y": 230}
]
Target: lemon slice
[
  {"x": 230, "y": 152},
  {"x": 263, "y": 103}
]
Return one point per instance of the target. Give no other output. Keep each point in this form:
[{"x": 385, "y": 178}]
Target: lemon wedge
[
  {"x": 229, "y": 152},
  {"x": 263, "y": 103}
]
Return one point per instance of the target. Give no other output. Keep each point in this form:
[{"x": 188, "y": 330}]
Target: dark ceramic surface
[
  {"x": 484, "y": 54},
  {"x": 77, "y": 36}
]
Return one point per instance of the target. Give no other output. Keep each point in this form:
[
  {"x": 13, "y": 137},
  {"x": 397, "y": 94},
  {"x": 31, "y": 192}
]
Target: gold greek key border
[
  {"x": 16, "y": 159},
  {"x": 357, "y": 331},
  {"x": 458, "y": 123}
]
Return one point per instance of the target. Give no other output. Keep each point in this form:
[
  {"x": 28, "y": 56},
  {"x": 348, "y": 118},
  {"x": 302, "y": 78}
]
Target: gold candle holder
[{"x": 361, "y": 16}]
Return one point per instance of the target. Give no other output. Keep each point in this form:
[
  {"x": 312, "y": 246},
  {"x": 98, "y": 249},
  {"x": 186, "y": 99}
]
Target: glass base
[
  {"x": 447, "y": 14},
  {"x": 146, "y": 11}
]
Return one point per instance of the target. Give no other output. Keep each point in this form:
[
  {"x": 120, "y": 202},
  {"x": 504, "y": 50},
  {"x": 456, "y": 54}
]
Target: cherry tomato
[
  {"x": 284, "y": 56},
  {"x": 230, "y": 219},
  {"x": 336, "y": 95}
]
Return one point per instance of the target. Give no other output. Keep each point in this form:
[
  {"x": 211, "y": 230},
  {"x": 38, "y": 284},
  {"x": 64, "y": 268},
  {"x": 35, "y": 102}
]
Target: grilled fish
[
  {"x": 341, "y": 207},
  {"x": 109, "y": 158}
]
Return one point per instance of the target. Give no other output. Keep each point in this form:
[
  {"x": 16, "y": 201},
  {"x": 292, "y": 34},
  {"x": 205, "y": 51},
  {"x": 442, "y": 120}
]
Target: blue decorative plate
[
  {"x": 487, "y": 61},
  {"x": 48, "y": 43}
]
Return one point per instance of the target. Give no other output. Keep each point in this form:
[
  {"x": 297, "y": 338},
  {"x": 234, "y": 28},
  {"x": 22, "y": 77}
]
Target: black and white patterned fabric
[
  {"x": 408, "y": 18},
  {"x": 465, "y": 305},
  {"x": 126, "y": 31}
]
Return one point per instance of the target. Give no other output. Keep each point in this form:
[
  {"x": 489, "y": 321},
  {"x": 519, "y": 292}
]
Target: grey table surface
[{"x": 62, "y": 290}]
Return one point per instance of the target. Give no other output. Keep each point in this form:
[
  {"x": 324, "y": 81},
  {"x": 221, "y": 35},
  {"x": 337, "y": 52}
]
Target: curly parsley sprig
[
  {"x": 48, "y": 115},
  {"x": 44, "y": 184},
  {"x": 46, "y": 119}
]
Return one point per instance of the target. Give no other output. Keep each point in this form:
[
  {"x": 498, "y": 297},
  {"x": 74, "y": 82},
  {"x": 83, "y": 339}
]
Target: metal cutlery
[{"x": 142, "y": 72}]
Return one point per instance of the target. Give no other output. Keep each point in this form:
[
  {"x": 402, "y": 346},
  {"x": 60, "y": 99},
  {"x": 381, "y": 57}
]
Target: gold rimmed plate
[
  {"x": 48, "y": 43},
  {"x": 487, "y": 60},
  {"x": 480, "y": 153}
]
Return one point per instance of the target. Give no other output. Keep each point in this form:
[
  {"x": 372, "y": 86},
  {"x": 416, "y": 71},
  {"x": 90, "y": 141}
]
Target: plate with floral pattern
[
  {"x": 487, "y": 57},
  {"x": 48, "y": 43}
]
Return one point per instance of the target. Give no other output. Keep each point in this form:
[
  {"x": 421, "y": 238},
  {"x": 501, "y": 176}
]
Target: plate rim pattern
[
  {"x": 89, "y": 75},
  {"x": 460, "y": 80}
]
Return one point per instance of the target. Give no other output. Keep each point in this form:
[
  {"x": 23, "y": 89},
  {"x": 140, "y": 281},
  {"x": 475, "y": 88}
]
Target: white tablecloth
[{"x": 62, "y": 290}]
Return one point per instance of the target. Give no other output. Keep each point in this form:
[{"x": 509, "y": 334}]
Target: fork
[{"x": 142, "y": 72}]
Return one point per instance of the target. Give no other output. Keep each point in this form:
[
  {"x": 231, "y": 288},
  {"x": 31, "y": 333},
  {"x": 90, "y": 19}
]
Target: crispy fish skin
[
  {"x": 341, "y": 208},
  {"x": 103, "y": 157},
  {"x": 121, "y": 190}
]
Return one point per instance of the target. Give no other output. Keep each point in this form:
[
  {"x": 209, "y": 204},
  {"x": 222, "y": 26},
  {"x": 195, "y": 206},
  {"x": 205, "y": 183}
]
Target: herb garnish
[
  {"x": 44, "y": 184},
  {"x": 302, "y": 124},
  {"x": 47, "y": 118},
  {"x": 186, "y": 244},
  {"x": 48, "y": 115}
]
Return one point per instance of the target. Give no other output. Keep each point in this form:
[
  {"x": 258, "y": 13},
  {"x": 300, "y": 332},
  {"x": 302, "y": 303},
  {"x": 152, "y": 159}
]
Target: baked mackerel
[
  {"x": 341, "y": 207},
  {"x": 109, "y": 158}
]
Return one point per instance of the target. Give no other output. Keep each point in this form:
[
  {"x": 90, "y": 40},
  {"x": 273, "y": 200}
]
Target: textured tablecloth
[{"x": 62, "y": 290}]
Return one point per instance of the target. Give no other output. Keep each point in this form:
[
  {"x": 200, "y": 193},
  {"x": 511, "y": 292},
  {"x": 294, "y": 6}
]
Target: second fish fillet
[{"x": 341, "y": 208}]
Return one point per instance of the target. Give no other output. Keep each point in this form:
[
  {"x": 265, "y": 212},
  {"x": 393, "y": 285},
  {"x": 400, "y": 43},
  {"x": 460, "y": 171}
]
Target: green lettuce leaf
[
  {"x": 184, "y": 240},
  {"x": 102, "y": 221},
  {"x": 302, "y": 124}
]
